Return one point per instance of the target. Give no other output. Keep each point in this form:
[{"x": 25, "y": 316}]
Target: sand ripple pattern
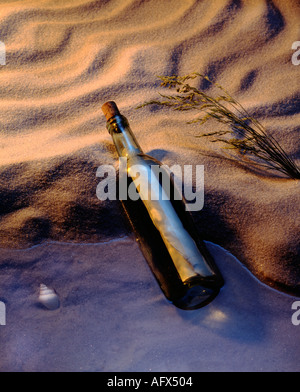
[{"x": 65, "y": 58}]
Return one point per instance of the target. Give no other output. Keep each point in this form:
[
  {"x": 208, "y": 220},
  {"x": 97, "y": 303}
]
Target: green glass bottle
[{"x": 168, "y": 238}]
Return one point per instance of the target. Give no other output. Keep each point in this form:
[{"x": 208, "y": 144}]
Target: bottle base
[{"x": 196, "y": 296}]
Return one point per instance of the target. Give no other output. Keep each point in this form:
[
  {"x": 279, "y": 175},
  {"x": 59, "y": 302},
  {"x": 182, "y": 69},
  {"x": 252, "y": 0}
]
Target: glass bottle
[{"x": 165, "y": 231}]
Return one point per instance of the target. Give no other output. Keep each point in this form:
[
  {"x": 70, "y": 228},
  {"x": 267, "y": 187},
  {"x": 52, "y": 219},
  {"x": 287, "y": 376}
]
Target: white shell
[{"x": 48, "y": 298}]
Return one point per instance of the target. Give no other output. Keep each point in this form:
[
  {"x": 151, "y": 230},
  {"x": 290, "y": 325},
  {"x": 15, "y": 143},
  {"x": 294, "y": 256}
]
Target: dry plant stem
[{"x": 243, "y": 132}]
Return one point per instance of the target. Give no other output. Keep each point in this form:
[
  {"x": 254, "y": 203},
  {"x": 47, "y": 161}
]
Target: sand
[
  {"x": 64, "y": 59},
  {"x": 113, "y": 317}
]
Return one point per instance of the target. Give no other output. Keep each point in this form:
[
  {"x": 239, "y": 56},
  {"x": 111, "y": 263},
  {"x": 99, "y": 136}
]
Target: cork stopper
[{"x": 110, "y": 109}]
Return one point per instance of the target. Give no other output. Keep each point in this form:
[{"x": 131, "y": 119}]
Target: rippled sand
[{"x": 66, "y": 58}]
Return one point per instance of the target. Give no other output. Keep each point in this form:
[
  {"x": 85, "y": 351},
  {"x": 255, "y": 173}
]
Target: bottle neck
[{"x": 123, "y": 138}]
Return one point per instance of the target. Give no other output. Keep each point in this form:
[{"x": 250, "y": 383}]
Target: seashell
[{"x": 48, "y": 298}]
